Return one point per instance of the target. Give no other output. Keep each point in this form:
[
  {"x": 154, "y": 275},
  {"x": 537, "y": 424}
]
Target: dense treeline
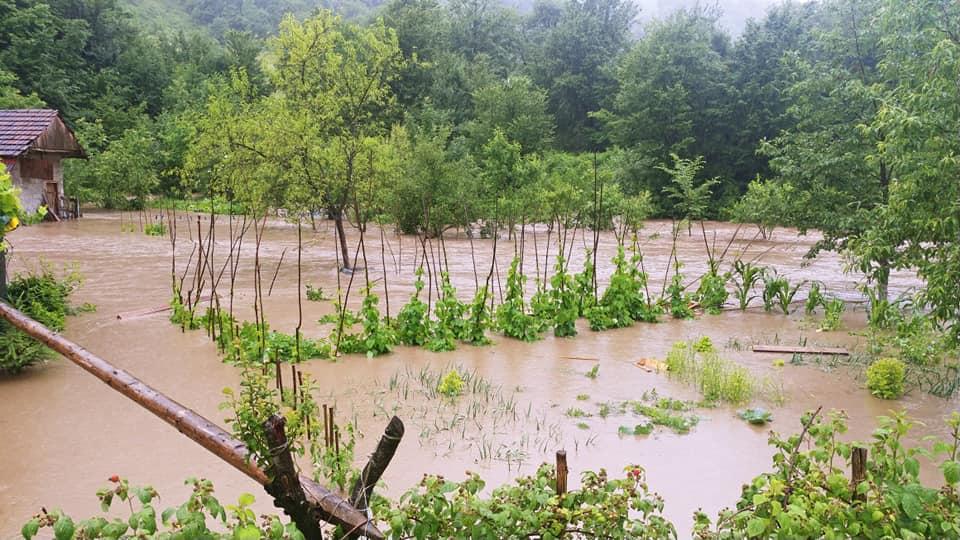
[{"x": 838, "y": 115}]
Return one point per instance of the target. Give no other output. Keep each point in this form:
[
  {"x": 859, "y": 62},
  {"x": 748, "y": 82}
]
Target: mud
[{"x": 63, "y": 433}]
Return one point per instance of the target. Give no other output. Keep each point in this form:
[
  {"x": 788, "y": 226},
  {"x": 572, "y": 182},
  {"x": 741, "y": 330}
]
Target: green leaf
[
  {"x": 911, "y": 505},
  {"x": 250, "y": 532},
  {"x": 30, "y": 529},
  {"x": 951, "y": 471},
  {"x": 246, "y": 499},
  {"x": 63, "y": 528},
  {"x": 756, "y": 526}
]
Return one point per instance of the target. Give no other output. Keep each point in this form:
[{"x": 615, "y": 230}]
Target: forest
[{"x": 470, "y": 121}]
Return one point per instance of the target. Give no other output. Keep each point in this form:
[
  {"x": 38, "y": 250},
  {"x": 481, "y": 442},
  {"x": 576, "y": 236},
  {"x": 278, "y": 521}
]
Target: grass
[{"x": 717, "y": 379}]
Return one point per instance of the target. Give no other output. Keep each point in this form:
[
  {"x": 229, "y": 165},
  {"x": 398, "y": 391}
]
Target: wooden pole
[
  {"x": 330, "y": 506},
  {"x": 858, "y": 473},
  {"x": 386, "y": 448},
  {"x": 562, "y": 472}
]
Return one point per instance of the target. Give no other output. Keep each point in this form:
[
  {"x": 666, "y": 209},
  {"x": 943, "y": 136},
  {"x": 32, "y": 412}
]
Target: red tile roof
[{"x": 19, "y": 128}]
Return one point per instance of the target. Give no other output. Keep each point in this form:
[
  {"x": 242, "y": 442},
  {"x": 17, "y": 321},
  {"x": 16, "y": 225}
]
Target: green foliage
[
  {"x": 564, "y": 299},
  {"x": 200, "y": 516},
  {"x": 778, "y": 291},
  {"x": 413, "y": 322},
  {"x": 832, "y": 311},
  {"x": 42, "y": 296},
  {"x": 155, "y": 229},
  {"x": 512, "y": 317},
  {"x": 766, "y": 203},
  {"x": 712, "y": 293},
  {"x": 593, "y": 372},
  {"x": 667, "y": 413},
  {"x": 450, "y": 325},
  {"x": 602, "y": 507},
  {"x": 315, "y": 294},
  {"x": 377, "y": 338},
  {"x": 885, "y": 378},
  {"x": 679, "y": 300},
  {"x": 10, "y": 208},
  {"x": 809, "y": 491},
  {"x": 623, "y": 301},
  {"x": 815, "y": 298},
  {"x": 451, "y": 385},
  {"x": 583, "y": 285},
  {"x": 747, "y": 275},
  {"x": 757, "y": 416},
  {"x": 690, "y": 200},
  {"x": 478, "y": 319},
  {"x": 718, "y": 380}
]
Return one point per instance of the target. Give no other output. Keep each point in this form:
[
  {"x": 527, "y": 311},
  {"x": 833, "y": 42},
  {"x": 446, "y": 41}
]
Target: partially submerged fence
[{"x": 305, "y": 501}]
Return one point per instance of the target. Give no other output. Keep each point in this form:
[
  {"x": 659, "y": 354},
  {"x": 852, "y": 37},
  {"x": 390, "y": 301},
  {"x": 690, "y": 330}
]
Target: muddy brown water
[{"x": 63, "y": 433}]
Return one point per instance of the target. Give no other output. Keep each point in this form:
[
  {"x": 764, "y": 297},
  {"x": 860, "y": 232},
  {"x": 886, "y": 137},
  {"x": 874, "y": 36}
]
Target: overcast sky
[{"x": 735, "y": 12}]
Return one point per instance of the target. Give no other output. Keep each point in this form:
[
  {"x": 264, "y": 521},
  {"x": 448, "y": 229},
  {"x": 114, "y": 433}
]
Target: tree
[
  {"x": 572, "y": 50},
  {"x": 838, "y": 190},
  {"x": 675, "y": 95},
  {"x": 516, "y": 107},
  {"x": 690, "y": 200},
  {"x": 919, "y": 119}
]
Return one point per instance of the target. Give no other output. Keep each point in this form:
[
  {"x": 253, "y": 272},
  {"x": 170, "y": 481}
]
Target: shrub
[
  {"x": 42, "y": 297},
  {"x": 885, "y": 378}
]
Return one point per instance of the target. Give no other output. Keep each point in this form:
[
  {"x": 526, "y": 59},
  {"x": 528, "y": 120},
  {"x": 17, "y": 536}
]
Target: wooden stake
[
  {"x": 858, "y": 473},
  {"x": 386, "y": 448},
  {"x": 562, "y": 472}
]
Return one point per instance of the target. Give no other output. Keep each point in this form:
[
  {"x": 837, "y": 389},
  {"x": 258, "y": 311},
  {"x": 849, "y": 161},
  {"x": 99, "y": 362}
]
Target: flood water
[{"x": 63, "y": 433}]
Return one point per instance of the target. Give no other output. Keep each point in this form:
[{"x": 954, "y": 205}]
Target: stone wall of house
[{"x": 32, "y": 189}]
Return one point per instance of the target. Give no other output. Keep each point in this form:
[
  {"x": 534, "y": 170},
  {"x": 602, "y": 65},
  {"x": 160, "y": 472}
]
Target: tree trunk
[{"x": 342, "y": 237}]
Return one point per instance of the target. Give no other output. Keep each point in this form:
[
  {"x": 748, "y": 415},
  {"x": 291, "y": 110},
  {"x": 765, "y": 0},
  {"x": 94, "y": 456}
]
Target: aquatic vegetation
[
  {"x": 757, "y": 416},
  {"x": 155, "y": 229},
  {"x": 815, "y": 298},
  {"x": 885, "y": 378},
  {"x": 712, "y": 293},
  {"x": 594, "y": 372},
  {"x": 315, "y": 294},
  {"x": 718, "y": 380}
]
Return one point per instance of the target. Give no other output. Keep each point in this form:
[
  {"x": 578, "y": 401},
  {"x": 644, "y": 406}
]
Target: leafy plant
[
  {"x": 677, "y": 297},
  {"x": 478, "y": 319},
  {"x": 413, "y": 322},
  {"x": 808, "y": 492},
  {"x": 316, "y": 294},
  {"x": 718, "y": 380},
  {"x": 42, "y": 296},
  {"x": 563, "y": 295},
  {"x": 155, "y": 229},
  {"x": 452, "y": 384},
  {"x": 450, "y": 324},
  {"x": 832, "y": 311},
  {"x": 747, "y": 276},
  {"x": 815, "y": 298},
  {"x": 712, "y": 293},
  {"x": 757, "y": 416},
  {"x": 594, "y": 371},
  {"x": 603, "y": 507},
  {"x": 512, "y": 317},
  {"x": 885, "y": 378},
  {"x": 200, "y": 516}
]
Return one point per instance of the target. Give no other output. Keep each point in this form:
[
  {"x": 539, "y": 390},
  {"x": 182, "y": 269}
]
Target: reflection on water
[{"x": 63, "y": 433}]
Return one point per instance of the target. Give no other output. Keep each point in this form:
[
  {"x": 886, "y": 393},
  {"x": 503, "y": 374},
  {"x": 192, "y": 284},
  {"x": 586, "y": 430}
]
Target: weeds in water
[
  {"x": 815, "y": 298},
  {"x": 451, "y": 385},
  {"x": 582, "y": 397},
  {"x": 594, "y": 372},
  {"x": 316, "y": 294},
  {"x": 718, "y": 380},
  {"x": 757, "y": 416},
  {"x": 155, "y": 229}
]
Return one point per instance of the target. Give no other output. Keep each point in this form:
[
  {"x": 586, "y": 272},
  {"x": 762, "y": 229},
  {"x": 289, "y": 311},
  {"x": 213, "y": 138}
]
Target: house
[{"x": 33, "y": 144}]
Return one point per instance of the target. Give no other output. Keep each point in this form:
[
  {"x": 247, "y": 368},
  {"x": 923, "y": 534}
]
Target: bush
[
  {"x": 42, "y": 297},
  {"x": 885, "y": 378}
]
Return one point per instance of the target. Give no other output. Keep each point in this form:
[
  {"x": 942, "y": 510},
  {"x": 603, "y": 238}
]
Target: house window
[{"x": 36, "y": 168}]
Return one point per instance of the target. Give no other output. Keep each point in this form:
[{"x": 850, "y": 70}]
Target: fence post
[
  {"x": 858, "y": 473},
  {"x": 561, "y": 472}
]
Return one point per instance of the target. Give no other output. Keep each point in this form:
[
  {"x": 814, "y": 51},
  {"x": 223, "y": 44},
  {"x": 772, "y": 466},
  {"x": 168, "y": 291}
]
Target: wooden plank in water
[{"x": 836, "y": 351}]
